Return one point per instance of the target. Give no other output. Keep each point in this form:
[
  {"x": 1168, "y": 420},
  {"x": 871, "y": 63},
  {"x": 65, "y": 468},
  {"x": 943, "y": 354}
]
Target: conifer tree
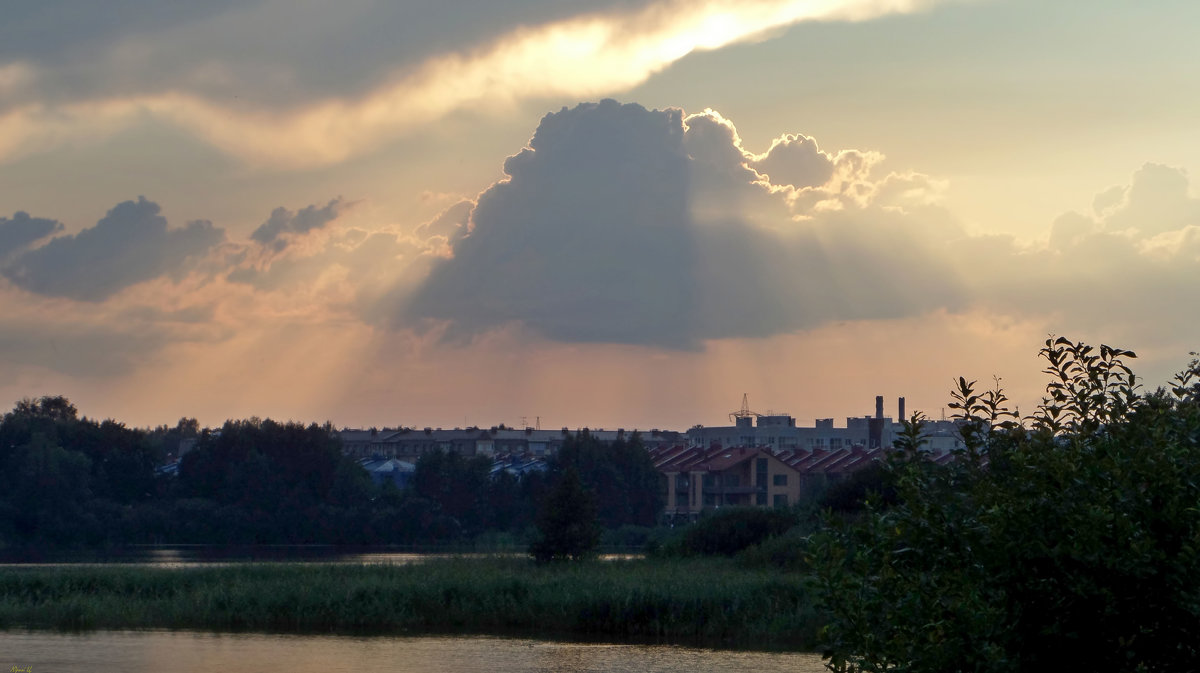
[{"x": 567, "y": 528}]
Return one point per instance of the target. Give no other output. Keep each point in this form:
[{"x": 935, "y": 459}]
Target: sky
[{"x": 613, "y": 213}]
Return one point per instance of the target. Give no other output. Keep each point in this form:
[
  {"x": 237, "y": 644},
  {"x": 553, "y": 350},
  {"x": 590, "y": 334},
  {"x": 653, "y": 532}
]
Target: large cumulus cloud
[
  {"x": 131, "y": 244},
  {"x": 626, "y": 225}
]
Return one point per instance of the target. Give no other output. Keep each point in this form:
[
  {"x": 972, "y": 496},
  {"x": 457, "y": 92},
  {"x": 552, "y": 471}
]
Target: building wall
[
  {"x": 690, "y": 491},
  {"x": 863, "y": 431}
]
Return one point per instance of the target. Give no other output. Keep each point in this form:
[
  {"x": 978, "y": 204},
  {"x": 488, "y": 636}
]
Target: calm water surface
[
  {"x": 188, "y": 652},
  {"x": 199, "y": 555}
]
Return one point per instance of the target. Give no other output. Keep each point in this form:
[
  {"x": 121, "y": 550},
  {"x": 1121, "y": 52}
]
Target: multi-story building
[
  {"x": 410, "y": 443},
  {"x": 695, "y": 479},
  {"x": 779, "y": 432},
  {"x": 765, "y": 459}
]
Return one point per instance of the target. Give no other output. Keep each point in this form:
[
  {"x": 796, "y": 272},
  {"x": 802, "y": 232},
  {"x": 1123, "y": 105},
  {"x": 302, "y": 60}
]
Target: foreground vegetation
[
  {"x": 705, "y": 601},
  {"x": 1067, "y": 540}
]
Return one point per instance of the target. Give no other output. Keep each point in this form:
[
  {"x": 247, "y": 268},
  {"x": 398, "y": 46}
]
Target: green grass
[{"x": 711, "y": 602}]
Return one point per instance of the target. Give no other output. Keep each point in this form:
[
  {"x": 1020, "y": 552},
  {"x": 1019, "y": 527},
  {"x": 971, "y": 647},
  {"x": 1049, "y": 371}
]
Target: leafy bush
[
  {"x": 784, "y": 552},
  {"x": 629, "y": 537},
  {"x": 727, "y": 531},
  {"x": 1069, "y": 542},
  {"x": 851, "y": 494}
]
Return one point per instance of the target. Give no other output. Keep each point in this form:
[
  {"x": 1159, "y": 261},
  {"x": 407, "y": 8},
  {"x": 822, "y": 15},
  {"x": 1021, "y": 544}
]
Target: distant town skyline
[{"x": 606, "y": 214}]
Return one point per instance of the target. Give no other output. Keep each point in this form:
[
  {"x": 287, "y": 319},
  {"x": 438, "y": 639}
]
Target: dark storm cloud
[
  {"x": 129, "y": 245},
  {"x": 620, "y": 224},
  {"x": 21, "y": 231},
  {"x": 283, "y": 222}
]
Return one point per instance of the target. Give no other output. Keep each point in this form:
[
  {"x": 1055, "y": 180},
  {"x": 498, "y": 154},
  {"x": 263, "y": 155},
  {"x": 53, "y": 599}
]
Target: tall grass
[{"x": 711, "y": 602}]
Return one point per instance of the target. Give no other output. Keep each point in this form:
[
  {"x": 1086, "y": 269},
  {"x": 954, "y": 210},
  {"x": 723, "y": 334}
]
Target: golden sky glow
[{"x": 385, "y": 213}]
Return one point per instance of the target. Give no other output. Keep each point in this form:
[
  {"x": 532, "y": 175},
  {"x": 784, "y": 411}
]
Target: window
[
  {"x": 780, "y": 480},
  {"x": 835, "y": 443},
  {"x": 710, "y": 480},
  {"x": 781, "y": 500},
  {"x": 731, "y": 480}
]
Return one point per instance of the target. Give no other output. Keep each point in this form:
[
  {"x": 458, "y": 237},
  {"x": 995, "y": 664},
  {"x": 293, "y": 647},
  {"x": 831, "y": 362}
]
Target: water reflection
[
  {"x": 188, "y": 556},
  {"x": 187, "y": 652}
]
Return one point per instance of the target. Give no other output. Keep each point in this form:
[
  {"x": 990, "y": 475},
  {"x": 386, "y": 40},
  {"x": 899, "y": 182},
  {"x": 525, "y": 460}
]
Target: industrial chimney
[
  {"x": 902, "y": 416},
  {"x": 879, "y": 406}
]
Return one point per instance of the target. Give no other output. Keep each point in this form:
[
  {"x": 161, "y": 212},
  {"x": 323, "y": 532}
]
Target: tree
[
  {"x": 50, "y": 490},
  {"x": 620, "y": 475},
  {"x": 55, "y": 408},
  {"x": 1070, "y": 540},
  {"x": 567, "y": 528},
  {"x": 458, "y": 485}
]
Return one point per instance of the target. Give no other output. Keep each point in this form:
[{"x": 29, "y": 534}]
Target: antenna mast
[{"x": 744, "y": 412}]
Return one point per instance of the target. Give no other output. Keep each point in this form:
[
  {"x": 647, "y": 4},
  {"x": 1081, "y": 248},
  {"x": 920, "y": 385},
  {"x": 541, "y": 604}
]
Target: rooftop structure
[{"x": 779, "y": 432}]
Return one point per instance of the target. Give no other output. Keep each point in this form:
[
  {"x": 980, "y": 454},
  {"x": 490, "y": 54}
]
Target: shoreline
[{"x": 710, "y": 603}]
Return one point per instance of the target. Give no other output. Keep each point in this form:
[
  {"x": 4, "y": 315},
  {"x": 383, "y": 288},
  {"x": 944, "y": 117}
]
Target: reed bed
[{"x": 708, "y": 601}]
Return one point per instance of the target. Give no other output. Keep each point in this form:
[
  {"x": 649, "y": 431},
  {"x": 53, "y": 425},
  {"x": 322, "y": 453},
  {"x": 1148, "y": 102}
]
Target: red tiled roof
[
  {"x": 814, "y": 461},
  {"x": 727, "y": 458}
]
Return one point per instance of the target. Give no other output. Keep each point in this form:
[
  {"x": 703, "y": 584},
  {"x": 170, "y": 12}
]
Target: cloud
[
  {"x": 350, "y": 270},
  {"x": 1122, "y": 273},
  {"x": 582, "y": 55},
  {"x": 451, "y": 224},
  {"x": 1156, "y": 201},
  {"x": 795, "y": 160},
  {"x": 625, "y": 225},
  {"x": 21, "y": 231},
  {"x": 55, "y": 31},
  {"x": 131, "y": 244},
  {"x": 282, "y": 223},
  {"x": 362, "y": 257}
]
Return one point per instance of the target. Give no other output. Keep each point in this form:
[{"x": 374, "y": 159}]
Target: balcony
[{"x": 735, "y": 490}]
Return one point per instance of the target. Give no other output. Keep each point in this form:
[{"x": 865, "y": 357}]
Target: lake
[
  {"x": 194, "y": 652},
  {"x": 188, "y": 556}
]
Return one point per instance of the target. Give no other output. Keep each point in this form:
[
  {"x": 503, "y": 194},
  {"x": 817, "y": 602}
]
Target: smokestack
[
  {"x": 902, "y": 416},
  {"x": 879, "y": 406}
]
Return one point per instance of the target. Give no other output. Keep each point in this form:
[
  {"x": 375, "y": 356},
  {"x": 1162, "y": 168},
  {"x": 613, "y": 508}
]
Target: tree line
[{"x": 78, "y": 482}]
